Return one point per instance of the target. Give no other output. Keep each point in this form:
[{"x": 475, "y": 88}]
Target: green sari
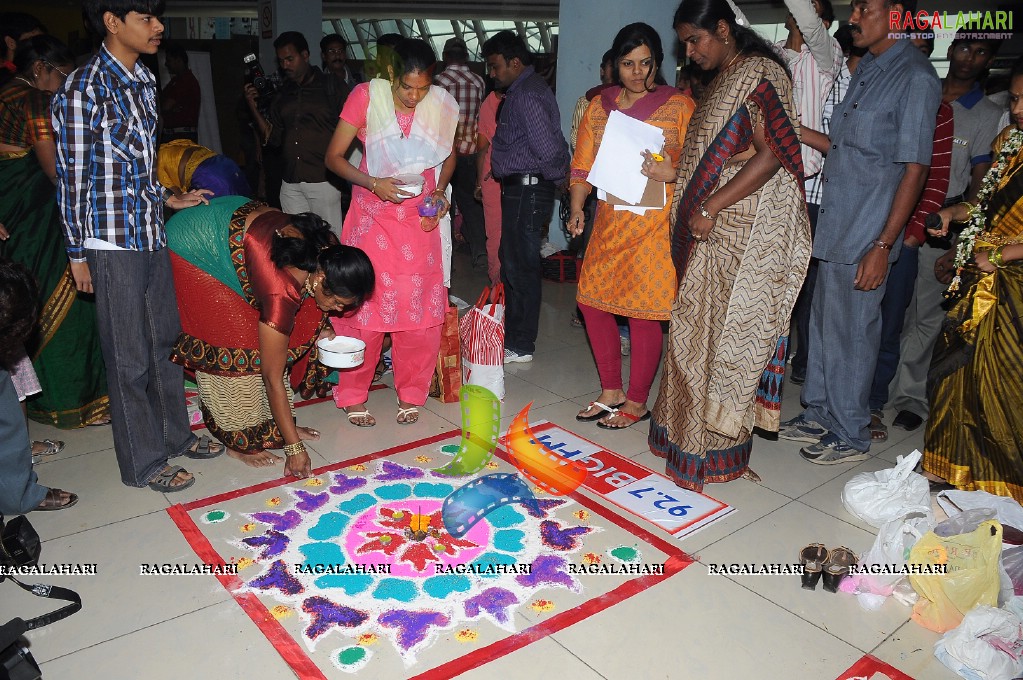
[{"x": 65, "y": 351}]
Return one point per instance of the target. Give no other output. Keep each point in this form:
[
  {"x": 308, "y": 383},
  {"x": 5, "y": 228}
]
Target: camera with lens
[
  {"x": 255, "y": 75},
  {"x": 20, "y": 547},
  {"x": 19, "y": 544}
]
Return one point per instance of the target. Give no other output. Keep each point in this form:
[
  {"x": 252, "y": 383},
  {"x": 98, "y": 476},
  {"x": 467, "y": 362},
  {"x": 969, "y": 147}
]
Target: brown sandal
[
  {"x": 840, "y": 560},
  {"x": 55, "y": 499}
]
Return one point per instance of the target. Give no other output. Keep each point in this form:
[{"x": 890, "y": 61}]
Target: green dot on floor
[{"x": 351, "y": 655}]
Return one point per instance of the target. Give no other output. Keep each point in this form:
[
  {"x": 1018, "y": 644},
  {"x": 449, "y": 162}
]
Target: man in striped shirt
[
  {"x": 467, "y": 88},
  {"x": 815, "y": 59},
  {"x": 111, "y": 206}
]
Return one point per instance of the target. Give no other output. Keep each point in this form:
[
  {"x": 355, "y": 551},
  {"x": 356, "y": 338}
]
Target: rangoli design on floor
[
  {"x": 369, "y": 556},
  {"x": 353, "y": 570}
]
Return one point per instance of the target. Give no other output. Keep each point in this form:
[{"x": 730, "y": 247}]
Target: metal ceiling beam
[
  {"x": 545, "y": 35},
  {"x": 361, "y": 36},
  {"x": 481, "y": 35}
]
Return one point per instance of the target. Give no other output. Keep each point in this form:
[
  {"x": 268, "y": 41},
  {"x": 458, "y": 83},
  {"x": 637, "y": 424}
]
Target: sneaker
[
  {"x": 626, "y": 345},
  {"x": 831, "y": 450},
  {"x": 799, "y": 429},
  {"x": 513, "y": 357}
]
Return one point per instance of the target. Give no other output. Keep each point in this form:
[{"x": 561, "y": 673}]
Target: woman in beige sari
[{"x": 740, "y": 244}]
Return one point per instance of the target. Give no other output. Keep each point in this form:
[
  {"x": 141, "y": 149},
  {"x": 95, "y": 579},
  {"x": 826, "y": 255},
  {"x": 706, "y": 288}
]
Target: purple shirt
[{"x": 528, "y": 137}]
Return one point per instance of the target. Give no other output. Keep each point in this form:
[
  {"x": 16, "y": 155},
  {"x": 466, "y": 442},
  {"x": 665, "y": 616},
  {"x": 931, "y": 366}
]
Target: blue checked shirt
[{"x": 105, "y": 121}]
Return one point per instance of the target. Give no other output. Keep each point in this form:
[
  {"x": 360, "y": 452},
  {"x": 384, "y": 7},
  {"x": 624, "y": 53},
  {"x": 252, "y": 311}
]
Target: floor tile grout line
[
  {"x": 137, "y": 630},
  {"x": 891, "y": 635},
  {"x": 48, "y": 460},
  {"x": 577, "y": 657},
  {"x": 108, "y": 524},
  {"x": 712, "y": 543},
  {"x": 799, "y": 616}
]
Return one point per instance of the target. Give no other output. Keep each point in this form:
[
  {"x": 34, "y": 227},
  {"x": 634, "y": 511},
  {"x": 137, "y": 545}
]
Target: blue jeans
[
  {"x": 901, "y": 283},
  {"x": 525, "y": 212},
  {"x": 20, "y": 491},
  {"x": 137, "y": 315}
]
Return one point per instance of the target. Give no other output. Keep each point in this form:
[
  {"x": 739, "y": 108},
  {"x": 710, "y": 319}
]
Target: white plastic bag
[
  {"x": 1007, "y": 510},
  {"x": 891, "y": 549},
  {"x": 987, "y": 645},
  {"x": 878, "y": 497}
]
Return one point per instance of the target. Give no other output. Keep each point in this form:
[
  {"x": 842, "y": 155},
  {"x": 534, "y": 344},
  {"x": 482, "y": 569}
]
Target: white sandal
[
  {"x": 364, "y": 414},
  {"x": 405, "y": 413}
]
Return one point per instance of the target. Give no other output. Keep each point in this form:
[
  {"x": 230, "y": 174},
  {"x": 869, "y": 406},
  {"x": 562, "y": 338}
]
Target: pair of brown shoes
[{"x": 832, "y": 564}]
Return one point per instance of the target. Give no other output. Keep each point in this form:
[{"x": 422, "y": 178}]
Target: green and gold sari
[
  {"x": 974, "y": 435},
  {"x": 65, "y": 352}
]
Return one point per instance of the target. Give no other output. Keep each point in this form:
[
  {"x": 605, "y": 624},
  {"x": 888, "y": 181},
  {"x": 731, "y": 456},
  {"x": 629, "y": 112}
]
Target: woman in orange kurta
[{"x": 628, "y": 270}]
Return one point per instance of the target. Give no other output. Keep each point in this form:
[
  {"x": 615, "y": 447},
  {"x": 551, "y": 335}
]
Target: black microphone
[{"x": 933, "y": 221}]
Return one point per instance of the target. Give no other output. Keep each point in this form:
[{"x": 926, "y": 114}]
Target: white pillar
[{"x": 587, "y": 29}]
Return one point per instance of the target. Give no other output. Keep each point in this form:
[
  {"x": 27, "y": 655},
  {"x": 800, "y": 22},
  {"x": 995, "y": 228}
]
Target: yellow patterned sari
[{"x": 974, "y": 436}]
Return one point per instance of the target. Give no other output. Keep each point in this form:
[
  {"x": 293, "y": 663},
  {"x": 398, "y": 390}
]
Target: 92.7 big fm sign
[{"x": 633, "y": 487}]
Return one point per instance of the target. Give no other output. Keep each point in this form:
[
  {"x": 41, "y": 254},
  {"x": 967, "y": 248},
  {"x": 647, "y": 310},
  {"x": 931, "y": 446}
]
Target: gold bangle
[
  {"x": 969, "y": 206},
  {"x": 374, "y": 187},
  {"x": 294, "y": 449},
  {"x": 995, "y": 257}
]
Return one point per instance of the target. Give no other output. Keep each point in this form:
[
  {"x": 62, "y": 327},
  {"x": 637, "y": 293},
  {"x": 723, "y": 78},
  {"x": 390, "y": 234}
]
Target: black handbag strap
[{"x": 54, "y": 593}]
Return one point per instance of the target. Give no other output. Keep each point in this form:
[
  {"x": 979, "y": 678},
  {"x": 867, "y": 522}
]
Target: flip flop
[
  {"x": 204, "y": 449},
  {"x": 599, "y": 415},
  {"x": 163, "y": 481},
  {"x": 628, "y": 416}
]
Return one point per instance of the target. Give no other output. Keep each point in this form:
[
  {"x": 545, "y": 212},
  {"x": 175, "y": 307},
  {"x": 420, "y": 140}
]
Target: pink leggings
[
  {"x": 413, "y": 358},
  {"x": 644, "y": 359}
]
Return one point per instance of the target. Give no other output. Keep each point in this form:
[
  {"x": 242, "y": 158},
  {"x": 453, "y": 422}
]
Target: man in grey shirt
[{"x": 881, "y": 137}]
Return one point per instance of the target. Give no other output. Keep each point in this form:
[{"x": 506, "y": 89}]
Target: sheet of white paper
[{"x": 616, "y": 169}]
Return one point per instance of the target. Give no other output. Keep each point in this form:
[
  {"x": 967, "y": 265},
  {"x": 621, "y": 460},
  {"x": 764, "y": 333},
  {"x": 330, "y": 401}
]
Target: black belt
[
  {"x": 524, "y": 179},
  {"x": 952, "y": 200}
]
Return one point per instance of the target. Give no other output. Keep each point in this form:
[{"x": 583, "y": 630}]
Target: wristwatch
[
  {"x": 703, "y": 212},
  {"x": 878, "y": 243}
]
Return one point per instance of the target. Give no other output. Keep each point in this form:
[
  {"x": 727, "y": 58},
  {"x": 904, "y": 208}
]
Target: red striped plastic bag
[{"x": 481, "y": 335}]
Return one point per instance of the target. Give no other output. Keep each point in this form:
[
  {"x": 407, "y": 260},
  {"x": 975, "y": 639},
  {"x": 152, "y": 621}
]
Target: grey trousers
[
  {"x": 137, "y": 316},
  {"x": 845, "y": 336},
  {"x": 20, "y": 491},
  {"x": 924, "y": 318}
]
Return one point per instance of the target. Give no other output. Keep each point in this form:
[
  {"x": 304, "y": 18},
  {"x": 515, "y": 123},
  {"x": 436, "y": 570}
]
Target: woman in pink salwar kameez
[{"x": 407, "y": 127}]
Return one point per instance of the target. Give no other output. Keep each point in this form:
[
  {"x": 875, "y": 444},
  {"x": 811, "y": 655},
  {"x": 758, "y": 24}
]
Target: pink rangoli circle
[{"x": 385, "y": 534}]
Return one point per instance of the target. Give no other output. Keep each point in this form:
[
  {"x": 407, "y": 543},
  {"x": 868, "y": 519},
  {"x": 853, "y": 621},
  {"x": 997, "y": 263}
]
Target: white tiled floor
[{"x": 691, "y": 626}]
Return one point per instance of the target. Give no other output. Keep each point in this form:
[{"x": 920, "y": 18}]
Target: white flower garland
[{"x": 976, "y": 222}]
